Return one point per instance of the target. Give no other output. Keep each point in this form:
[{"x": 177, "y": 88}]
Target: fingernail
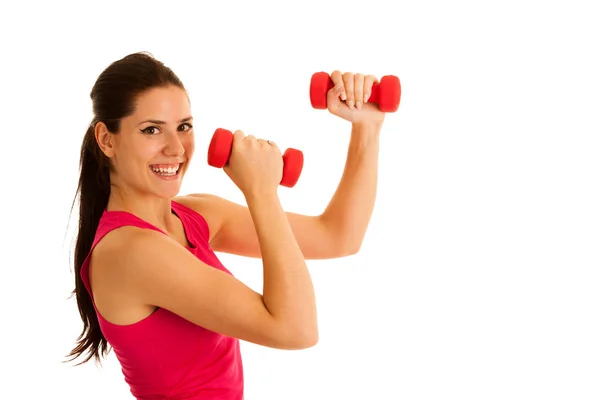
[
  {"x": 367, "y": 97},
  {"x": 358, "y": 105},
  {"x": 350, "y": 103},
  {"x": 343, "y": 96}
]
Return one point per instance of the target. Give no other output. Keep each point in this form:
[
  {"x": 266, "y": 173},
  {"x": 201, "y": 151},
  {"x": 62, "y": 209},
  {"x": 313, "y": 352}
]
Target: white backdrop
[{"x": 478, "y": 278}]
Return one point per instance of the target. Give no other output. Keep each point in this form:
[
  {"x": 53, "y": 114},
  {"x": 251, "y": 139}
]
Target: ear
[{"x": 104, "y": 139}]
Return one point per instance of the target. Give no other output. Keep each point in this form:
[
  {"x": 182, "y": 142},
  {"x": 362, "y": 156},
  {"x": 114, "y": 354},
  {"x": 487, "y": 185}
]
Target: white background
[{"x": 479, "y": 276}]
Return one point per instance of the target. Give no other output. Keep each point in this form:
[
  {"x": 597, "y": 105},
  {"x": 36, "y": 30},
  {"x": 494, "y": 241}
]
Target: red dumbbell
[
  {"x": 219, "y": 151},
  {"x": 386, "y": 93}
]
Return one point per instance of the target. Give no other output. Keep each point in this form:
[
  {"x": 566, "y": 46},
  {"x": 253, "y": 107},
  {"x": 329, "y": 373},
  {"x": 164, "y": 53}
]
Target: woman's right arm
[
  {"x": 288, "y": 292},
  {"x": 158, "y": 271}
]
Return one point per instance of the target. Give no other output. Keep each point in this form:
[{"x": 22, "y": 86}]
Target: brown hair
[{"x": 113, "y": 97}]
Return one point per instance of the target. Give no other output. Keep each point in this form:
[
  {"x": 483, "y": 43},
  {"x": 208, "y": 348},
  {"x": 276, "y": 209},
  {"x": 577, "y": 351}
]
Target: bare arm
[
  {"x": 348, "y": 214},
  {"x": 288, "y": 290},
  {"x": 157, "y": 271}
]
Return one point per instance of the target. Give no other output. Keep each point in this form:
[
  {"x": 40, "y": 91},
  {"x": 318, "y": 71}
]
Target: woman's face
[{"x": 155, "y": 145}]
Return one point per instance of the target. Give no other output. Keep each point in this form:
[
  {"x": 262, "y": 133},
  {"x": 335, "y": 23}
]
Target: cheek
[
  {"x": 189, "y": 146},
  {"x": 142, "y": 153}
]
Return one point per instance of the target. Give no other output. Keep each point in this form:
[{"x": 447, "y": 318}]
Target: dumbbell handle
[
  {"x": 374, "y": 91},
  {"x": 220, "y": 147},
  {"x": 386, "y": 93}
]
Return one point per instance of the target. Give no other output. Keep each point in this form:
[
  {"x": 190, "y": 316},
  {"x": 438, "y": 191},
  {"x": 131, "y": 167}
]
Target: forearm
[
  {"x": 348, "y": 213},
  {"x": 288, "y": 291}
]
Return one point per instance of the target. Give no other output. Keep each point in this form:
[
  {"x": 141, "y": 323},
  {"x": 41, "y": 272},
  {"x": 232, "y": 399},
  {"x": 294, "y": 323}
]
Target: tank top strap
[
  {"x": 196, "y": 226},
  {"x": 111, "y": 220}
]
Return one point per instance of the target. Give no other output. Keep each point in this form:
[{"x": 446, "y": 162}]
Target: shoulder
[
  {"x": 199, "y": 201},
  {"x": 125, "y": 242},
  {"x": 134, "y": 266},
  {"x": 124, "y": 255},
  {"x": 212, "y": 208},
  {"x": 129, "y": 255}
]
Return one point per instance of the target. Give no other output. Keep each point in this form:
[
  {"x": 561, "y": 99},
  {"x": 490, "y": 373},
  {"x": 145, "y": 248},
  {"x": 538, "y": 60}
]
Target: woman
[{"x": 148, "y": 282}]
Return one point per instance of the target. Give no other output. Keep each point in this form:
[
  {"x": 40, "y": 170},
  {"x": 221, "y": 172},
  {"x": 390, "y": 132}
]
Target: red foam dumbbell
[
  {"x": 386, "y": 93},
  {"x": 219, "y": 151}
]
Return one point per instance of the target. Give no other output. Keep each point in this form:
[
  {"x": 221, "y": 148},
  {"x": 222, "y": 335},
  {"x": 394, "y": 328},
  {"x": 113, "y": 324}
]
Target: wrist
[
  {"x": 366, "y": 127},
  {"x": 364, "y": 134},
  {"x": 259, "y": 197}
]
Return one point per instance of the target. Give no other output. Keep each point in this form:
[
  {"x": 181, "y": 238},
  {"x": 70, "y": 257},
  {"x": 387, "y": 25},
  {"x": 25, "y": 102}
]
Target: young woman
[{"x": 148, "y": 282}]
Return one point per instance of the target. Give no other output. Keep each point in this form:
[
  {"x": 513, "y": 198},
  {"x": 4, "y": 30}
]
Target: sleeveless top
[{"x": 165, "y": 356}]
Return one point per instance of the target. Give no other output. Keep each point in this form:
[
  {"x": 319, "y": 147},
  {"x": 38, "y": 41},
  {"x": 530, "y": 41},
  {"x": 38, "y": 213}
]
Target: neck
[{"x": 154, "y": 210}]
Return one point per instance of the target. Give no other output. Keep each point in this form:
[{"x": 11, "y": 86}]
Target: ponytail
[{"x": 93, "y": 190}]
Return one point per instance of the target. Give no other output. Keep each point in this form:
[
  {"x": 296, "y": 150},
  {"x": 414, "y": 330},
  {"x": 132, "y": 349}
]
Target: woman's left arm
[{"x": 348, "y": 214}]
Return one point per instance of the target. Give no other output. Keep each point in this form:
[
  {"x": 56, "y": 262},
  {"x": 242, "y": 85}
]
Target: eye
[
  {"x": 186, "y": 124},
  {"x": 148, "y": 130}
]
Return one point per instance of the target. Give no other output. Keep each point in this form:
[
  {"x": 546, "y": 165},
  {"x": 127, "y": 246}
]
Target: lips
[{"x": 166, "y": 170}]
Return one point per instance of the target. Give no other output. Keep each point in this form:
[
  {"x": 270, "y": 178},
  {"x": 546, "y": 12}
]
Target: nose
[{"x": 173, "y": 145}]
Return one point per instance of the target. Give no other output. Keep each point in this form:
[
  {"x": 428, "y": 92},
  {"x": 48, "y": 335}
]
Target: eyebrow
[{"x": 155, "y": 121}]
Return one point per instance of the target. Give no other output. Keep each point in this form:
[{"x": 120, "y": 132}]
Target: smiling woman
[
  {"x": 165, "y": 146},
  {"x": 148, "y": 282},
  {"x": 166, "y": 170}
]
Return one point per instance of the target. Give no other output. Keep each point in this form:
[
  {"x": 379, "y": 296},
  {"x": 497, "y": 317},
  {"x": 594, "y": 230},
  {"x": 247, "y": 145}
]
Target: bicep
[{"x": 166, "y": 275}]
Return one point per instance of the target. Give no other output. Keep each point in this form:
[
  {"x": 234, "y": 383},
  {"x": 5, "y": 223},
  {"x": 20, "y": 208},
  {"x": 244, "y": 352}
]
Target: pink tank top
[{"x": 165, "y": 356}]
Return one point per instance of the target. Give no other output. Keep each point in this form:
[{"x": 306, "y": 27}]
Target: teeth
[{"x": 166, "y": 171}]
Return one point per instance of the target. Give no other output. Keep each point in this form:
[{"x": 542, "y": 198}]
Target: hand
[
  {"x": 348, "y": 98},
  {"x": 255, "y": 165}
]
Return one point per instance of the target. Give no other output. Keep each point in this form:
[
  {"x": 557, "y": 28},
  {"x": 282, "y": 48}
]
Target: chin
[{"x": 168, "y": 193}]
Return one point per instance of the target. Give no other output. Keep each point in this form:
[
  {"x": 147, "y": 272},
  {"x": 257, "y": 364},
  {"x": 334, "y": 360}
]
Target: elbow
[
  {"x": 306, "y": 340},
  {"x": 301, "y": 339},
  {"x": 350, "y": 248},
  {"x": 349, "y": 243},
  {"x": 341, "y": 240}
]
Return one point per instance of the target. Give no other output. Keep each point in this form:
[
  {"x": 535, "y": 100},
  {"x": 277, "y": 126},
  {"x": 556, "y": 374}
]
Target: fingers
[
  {"x": 370, "y": 80},
  {"x": 359, "y": 83},
  {"x": 354, "y": 89},
  {"x": 239, "y": 136},
  {"x": 266, "y": 142},
  {"x": 337, "y": 94},
  {"x": 274, "y": 146},
  {"x": 348, "y": 79},
  {"x": 338, "y": 85}
]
